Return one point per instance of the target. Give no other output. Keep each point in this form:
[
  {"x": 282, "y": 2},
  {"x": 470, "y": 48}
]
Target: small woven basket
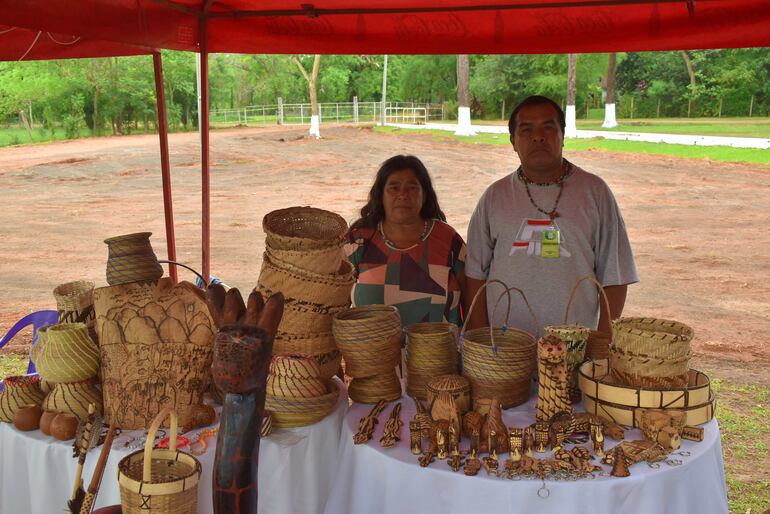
[
  {"x": 159, "y": 481},
  {"x": 74, "y": 398},
  {"x": 299, "y": 412},
  {"x": 384, "y": 386},
  {"x": 75, "y": 303},
  {"x": 131, "y": 259},
  {"x": 431, "y": 350},
  {"x": 369, "y": 338},
  {"x": 303, "y": 228},
  {"x": 18, "y": 392},
  {"x": 65, "y": 353},
  {"x": 650, "y": 352},
  {"x": 499, "y": 362}
]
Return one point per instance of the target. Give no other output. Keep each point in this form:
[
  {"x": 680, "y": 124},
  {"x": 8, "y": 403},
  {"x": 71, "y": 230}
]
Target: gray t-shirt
[{"x": 505, "y": 242}]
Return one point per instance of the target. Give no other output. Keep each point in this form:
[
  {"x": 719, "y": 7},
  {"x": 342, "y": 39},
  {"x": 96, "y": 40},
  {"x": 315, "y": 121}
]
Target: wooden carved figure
[
  {"x": 415, "y": 437},
  {"x": 597, "y": 438},
  {"x": 441, "y": 443},
  {"x": 515, "y": 442},
  {"x": 241, "y": 359},
  {"x": 541, "y": 436},
  {"x": 529, "y": 440},
  {"x": 553, "y": 378}
]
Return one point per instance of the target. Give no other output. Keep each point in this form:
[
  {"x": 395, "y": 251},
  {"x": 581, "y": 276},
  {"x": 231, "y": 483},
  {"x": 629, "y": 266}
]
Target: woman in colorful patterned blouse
[{"x": 404, "y": 252}]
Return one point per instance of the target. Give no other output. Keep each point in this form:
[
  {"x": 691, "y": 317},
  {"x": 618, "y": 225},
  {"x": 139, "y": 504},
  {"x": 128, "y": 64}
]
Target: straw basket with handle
[
  {"x": 499, "y": 361},
  {"x": 159, "y": 481},
  {"x": 578, "y": 338}
]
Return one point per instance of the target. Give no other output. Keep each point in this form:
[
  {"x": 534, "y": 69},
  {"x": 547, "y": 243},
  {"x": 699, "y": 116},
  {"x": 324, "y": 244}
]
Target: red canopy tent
[{"x": 389, "y": 26}]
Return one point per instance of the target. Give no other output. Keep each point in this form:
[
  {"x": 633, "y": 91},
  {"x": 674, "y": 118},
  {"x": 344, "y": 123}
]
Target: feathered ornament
[{"x": 87, "y": 438}]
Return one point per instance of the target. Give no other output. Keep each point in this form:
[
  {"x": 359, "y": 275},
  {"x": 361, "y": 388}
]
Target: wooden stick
[{"x": 96, "y": 479}]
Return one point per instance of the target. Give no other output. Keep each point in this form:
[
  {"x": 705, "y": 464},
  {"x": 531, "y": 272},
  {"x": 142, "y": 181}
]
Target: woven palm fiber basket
[
  {"x": 75, "y": 303},
  {"x": 65, "y": 353},
  {"x": 156, "y": 342},
  {"x": 385, "y": 386},
  {"x": 300, "y": 412},
  {"x": 369, "y": 338},
  {"x": 297, "y": 284},
  {"x": 499, "y": 362},
  {"x": 295, "y": 377},
  {"x": 605, "y": 397},
  {"x": 131, "y": 259},
  {"x": 324, "y": 260},
  {"x": 17, "y": 392},
  {"x": 159, "y": 481},
  {"x": 598, "y": 345},
  {"x": 303, "y": 228},
  {"x": 650, "y": 352},
  {"x": 458, "y": 387},
  {"x": 74, "y": 398},
  {"x": 303, "y": 318},
  {"x": 431, "y": 350}
]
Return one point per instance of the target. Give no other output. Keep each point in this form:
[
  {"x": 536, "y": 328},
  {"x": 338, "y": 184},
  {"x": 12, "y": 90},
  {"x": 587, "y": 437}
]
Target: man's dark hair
[
  {"x": 536, "y": 100},
  {"x": 374, "y": 210}
]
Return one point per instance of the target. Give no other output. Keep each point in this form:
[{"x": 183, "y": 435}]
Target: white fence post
[{"x": 280, "y": 110}]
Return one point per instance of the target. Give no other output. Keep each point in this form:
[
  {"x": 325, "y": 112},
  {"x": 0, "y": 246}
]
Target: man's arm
[
  {"x": 616, "y": 296},
  {"x": 478, "y": 318}
]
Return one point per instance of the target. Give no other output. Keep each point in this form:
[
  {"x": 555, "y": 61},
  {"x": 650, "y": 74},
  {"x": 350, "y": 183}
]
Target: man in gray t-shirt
[{"x": 542, "y": 228}]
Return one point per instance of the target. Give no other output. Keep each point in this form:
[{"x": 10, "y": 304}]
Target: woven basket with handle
[{"x": 159, "y": 481}]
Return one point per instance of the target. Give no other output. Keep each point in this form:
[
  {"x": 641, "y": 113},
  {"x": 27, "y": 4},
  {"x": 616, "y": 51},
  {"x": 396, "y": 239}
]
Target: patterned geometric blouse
[{"x": 420, "y": 281}]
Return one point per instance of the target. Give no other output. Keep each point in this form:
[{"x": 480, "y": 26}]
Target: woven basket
[
  {"x": 431, "y": 350},
  {"x": 598, "y": 345},
  {"x": 458, "y": 387},
  {"x": 295, "y": 377},
  {"x": 65, "y": 353},
  {"x": 131, "y": 259},
  {"x": 297, "y": 284},
  {"x": 303, "y": 228},
  {"x": 75, "y": 303},
  {"x": 299, "y": 412},
  {"x": 294, "y": 367},
  {"x": 620, "y": 403},
  {"x": 649, "y": 352},
  {"x": 384, "y": 386},
  {"x": 309, "y": 345},
  {"x": 302, "y": 318},
  {"x": 325, "y": 260},
  {"x": 17, "y": 392},
  {"x": 499, "y": 362},
  {"x": 159, "y": 481},
  {"x": 74, "y": 398},
  {"x": 369, "y": 338}
]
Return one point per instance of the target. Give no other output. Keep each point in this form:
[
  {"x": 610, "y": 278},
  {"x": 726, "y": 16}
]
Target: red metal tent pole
[
  {"x": 165, "y": 166},
  {"x": 204, "y": 128}
]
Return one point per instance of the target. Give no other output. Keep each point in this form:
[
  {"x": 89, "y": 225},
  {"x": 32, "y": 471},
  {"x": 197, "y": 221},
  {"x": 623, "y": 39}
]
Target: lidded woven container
[
  {"x": 131, "y": 259},
  {"x": 65, "y": 353},
  {"x": 650, "y": 352},
  {"x": 17, "y": 392},
  {"x": 458, "y": 387},
  {"x": 431, "y": 350}
]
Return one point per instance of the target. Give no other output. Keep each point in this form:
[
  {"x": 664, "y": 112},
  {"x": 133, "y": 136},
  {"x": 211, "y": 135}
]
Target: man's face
[{"x": 538, "y": 139}]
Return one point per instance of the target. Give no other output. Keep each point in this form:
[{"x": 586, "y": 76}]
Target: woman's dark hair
[{"x": 374, "y": 211}]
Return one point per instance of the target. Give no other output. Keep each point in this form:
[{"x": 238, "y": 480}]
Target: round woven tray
[
  {"x": 303, "y": 228},
  {"x": 369, "y": 338},
  {"x": 602, "y": 395},
  {"x": 299, "y": 412}
]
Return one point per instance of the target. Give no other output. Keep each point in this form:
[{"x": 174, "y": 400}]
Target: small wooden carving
[
  {"x": 472, "y": 421},
  {"x": 415, "y": 437},
  {"x": 494, "y": 423},
  {"x": 620, "y": 466},
  {"x": 472, "y": 465},
  {"x": 597, "y": 438},
  {"x": 444, "y": 407},
  {"x": 692, "y": 433},
  {"x": 541, "y": 436},
  {"x": 515, "y": 443},
  {"x": 428, "y": 457},
  {"x": 367, "y": 423},
  {"x": 392, "y": 432},
  {"x": 529, "y": 440}
]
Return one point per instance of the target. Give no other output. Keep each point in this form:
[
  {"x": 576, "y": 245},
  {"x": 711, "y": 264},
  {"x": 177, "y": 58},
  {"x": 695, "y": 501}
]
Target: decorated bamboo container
[
  {"x": 458, "y": 387},
  {"x": 431, "y": 351},
  {"x": 650, "y": 352}
]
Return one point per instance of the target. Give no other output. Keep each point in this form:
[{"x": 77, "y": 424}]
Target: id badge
[{"x": 550, "y": 243}]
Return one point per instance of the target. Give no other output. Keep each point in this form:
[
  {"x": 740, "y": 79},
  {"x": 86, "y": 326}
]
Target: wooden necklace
[{"x": 566, "y": 172}]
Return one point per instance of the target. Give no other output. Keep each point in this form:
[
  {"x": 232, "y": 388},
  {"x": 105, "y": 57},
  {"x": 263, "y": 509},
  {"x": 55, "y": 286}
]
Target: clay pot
[
  {"x": 45, "y": 421},
  {"x": 64, "y": 427},
  {"x": 27, "y": 418}
]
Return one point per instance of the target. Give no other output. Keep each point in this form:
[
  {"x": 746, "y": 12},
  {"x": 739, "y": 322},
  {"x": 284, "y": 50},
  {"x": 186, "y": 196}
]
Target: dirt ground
[{"x": 698, "y": 229}]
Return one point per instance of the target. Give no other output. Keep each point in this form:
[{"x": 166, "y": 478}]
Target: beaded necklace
[
  {"x": 391, "y": 244},
  {"x": 567, "y": 169}
]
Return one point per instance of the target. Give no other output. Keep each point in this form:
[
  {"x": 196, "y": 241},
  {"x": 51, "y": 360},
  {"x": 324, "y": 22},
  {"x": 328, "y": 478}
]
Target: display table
[
  {"x": 375, "y": 480},
  {"x": 296, "y": 468}
]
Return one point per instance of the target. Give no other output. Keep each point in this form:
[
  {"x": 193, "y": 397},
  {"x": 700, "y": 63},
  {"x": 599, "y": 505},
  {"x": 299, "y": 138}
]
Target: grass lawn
[
  {"x": 715, "y": 153},
  {"x": 736, "y": 127},
  {"x": 19, "y": 136}
]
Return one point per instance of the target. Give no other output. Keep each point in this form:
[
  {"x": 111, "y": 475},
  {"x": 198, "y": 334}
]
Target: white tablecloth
[
  {"x": 296, "y": 469},
  {"x": 373, "y": 480}
]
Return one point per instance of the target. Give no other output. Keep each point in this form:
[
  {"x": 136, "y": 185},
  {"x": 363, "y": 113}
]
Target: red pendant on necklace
[{"x": 553, "y": 214}]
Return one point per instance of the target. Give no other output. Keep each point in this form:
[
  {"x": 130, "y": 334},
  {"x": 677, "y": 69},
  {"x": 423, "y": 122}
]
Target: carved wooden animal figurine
[
  {"x": 415, "y": 437},
  {"x": 494, "y": 423},
  {"x": 444, "y": 407},
  {"x": 597, "y": 438},
  {"x": 515, "y": 443},
  {"x": 553, "y": 378},
  {"x": 423, "y": 418},
  {"x": 620, "y": 466},
  {"x": 567, "y": 424},
  {"x": 367, "y": 423},
  {"x": 472, "y": 465},
  {"x": 392, "y": 432},
  {"x": 663, "y": 427},
  {"x": 241, "y": 359},
  {"x": 472, "y": 421}
]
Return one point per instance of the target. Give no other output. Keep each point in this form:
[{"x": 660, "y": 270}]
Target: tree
[
  {"x": 693, "y": 84},
  {"x": 312, "y": 80},
  {"x": 571, "y": 129},
  {"x": 609, "y": 102},
  {"x": 464, "y": 127}
]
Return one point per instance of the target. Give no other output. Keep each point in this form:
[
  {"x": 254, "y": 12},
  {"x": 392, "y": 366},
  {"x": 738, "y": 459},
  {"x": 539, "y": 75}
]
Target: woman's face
[{"x": 403, "y": 197}]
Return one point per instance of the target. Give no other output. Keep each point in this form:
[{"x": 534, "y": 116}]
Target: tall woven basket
[
  {"x": 159, "y": 481},
  {"x": 431, "y": 351},
  {"x": 75, "y": 303},
  {"x": 576, "y": 338},
  {"x": 499, "y": 362},
  {"x": 650, "y": 352}
]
